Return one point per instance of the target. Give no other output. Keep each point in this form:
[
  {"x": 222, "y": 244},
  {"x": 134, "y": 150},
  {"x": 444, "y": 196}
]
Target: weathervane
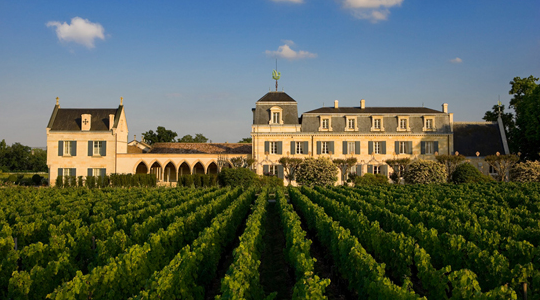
[
  {"x": 499, "y": 103},
  {"x": 276, "y": 75}
]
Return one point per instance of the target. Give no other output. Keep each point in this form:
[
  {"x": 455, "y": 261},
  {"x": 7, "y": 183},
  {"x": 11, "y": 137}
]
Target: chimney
[
  {"x": 135, "y": 137},
  {"x": 336, "y": 104},
  {"x": 362, "y": 104},
  {"x": 111, "y": 121},
  {"x": 86, "y": 122},
  {"x": 445, "y": 108}
]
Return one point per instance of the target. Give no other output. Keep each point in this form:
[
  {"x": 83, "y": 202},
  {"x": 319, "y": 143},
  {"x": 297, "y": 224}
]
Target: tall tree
[
  {"x": 188, "y": 138},
  {"x": 526, "y": 104},
  {"x": 162, "y": 135},
  {"x": 246, "y": 140}
]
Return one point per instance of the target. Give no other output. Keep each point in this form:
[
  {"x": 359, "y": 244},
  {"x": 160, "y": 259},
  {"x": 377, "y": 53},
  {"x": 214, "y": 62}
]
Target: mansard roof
[
  {"x": 69, "y": 119},
  {"x": 484, "y": 137},
  {"x": 202, "y": 148},
  {"x": 276, "y": 97},
  {"x": 374, "y": 110}
]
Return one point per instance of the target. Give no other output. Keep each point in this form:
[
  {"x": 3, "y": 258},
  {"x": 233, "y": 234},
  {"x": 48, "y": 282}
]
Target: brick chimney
[
  {"x": 362, "y": 104},
  {"x": 336, "y": 104},
  {"x": 445, "y": 108}
]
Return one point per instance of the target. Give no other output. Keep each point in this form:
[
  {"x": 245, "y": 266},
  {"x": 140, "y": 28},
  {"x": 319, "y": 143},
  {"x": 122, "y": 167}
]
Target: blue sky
[{"x": 200, "y": 66}]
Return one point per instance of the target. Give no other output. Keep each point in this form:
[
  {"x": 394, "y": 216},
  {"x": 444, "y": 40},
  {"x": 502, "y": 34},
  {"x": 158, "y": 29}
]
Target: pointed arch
[
  {"x": 157, "y": 169},
  {"x": 140, "y": 167},
  {"x": 170, "y": 172},
  {"x": 212, "y": 168},
  {"x": 198, "y": 168},
  {"x": 184, "y": 168}
]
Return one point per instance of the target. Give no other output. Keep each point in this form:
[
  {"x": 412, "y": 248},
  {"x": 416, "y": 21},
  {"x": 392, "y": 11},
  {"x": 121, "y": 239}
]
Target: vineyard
[{"x": 479, "y": 241}]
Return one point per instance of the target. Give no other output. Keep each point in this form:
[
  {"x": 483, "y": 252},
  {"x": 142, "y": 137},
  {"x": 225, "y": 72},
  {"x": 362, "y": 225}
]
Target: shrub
[
  {"x": 528, "y": 171},
  {"x": 271, "y": 181},
  {"x": 60, "y": 181},
  {"x": 371, "y": 179},
  {"x": 197, "y": 180},
  {"x": 36, "y": 179},
  {"x": 320, "y": 172},
  {"x": 12, "y": 179},
  {"x": 237, "y": 177},
  {"x": 425, "y": 171},
  {"x": 467, "y": 173}
]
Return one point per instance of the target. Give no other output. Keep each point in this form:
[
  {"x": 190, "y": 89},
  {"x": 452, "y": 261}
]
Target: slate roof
[
  {"x": 69, "y": 119},
  {"x": 202, "y": 148},
  {"x": 374, "y": 110},
  {"x": 276, "y": 97},
  {"x": 482, "y": 137}
]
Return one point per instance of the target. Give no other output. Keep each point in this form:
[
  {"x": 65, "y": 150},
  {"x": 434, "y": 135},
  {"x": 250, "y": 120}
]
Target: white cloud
[
  {"x": 291, "y": 1},
  {"x": 286, "y": 52},
  {"x": 80, "y": 31},
  {"x": 456, "y": 60},
  {"x": 372, "y": 10}
]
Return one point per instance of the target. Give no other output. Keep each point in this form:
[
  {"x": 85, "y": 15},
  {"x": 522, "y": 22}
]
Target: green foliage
[
  {"x": 450, "y": 162},
  {"x": 371, "y": 179},
  {"x": 12, "y": 178},
  {"x": 161, "y": 135},
  {"x": 425, "y": 171},
  {"x": 502, "y": 164},
  {"x": 528, "y": 171},
  {"x": 37, "y": 179},
  {"x": 270, "y": 181},
  {"x": 247, "y": 140},
  {"x": 345, "y": 165},
  {"x": 237, "y": 177},
  {"x": 398, "y": 166},
  {"x": 313, "y": 172},
  {"x": 467, "y": 173},
  {"x": 19, "y": 158},
  {"x": 199, "y": 138},
  {"x": 290, "y": 165}
]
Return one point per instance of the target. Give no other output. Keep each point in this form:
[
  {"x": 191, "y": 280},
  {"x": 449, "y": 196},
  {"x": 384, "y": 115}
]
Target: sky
[{"x": 200, "y": 66}]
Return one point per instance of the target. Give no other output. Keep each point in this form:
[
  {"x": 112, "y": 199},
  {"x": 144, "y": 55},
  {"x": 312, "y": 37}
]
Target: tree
[
  {"x": 528, "y": 171},
  {"x": 345, "y": 166},
  {"x": 502, "y": 164},
  {"x": 161, "y": 135},
  {"x": 467, "y": 173},
  {"x": 527, "y": 131},
  {"x": 450, "y": 162},
  {"x": 18, "y": 157},
  {"x": 289, "y": 166},
  {"x": 398, "y": 166},
  {"x": 425, "y": 171},
  {"x": 508, "y": 121},
  {"x": 320, "y": 172},
  {"x": 199, "y": 138},
  {"x": 241, "y": 162},
  {"x": 246, "y": 140}
]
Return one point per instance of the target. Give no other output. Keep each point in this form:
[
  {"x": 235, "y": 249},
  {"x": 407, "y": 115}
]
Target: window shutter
[
  {"x": 370, "y": 147},
  {"x": 370, "y": 169},
  {"x": 279, "y": 146},
  {"x": 422, "y": 147},
  {"x": 384, "y": 170},
  {"x": 74, "y": 148},
  {"x": 73, "y": 172},
  {"x": 60, "y": 148},
  {"x": 89, "y": 172},
  {"x": 266, "y": 169},
  {"x": 305, "y": 149},
  {"x": 383, "y": 146},
  {"x": 266, "y": 147},
  {"x": 280, "y": 172},
  {"x": 409, "y": 146},
  {"x": 397, "y": 148},
  {"x": 345, "y": 148},
  {"x": 318, "y": 147},
  {"x": 436, "y": 147},
  {"x": 90, "y": 148},
  {"x": 357, "y": 147},
  {"x": 331, "y": 146},
  {"x": 60, "y": 172},
  {"x": 293, "y": 150},
  {"x": 103, "y": 148},
  {"x": 103, "y": 172},
  {"x": 359, "y": 170}
]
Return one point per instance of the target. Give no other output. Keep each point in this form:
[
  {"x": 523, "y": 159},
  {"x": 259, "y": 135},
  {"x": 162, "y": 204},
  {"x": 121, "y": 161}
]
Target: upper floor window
[
  {"x": 403, "y": 147},
  {"x": 430, "y": 149},
  {"x": 403, "y": 123},
  {"x": 377, "y": 123},
  {"x": 377, "y": 148},
  {"x": 273, "y": 148},
  {"x": 351, "y": 149},
  {"x": 276, "y": 115},
  {"x": 98, "y": 146},
  {"x": 299, "y": 148},
  {"x": 326, "y": 124},
  {"x": 325, "y": 148},
  {"x": 429, "y": 123},
  {"x": 350, "y": 123},
  {"x": 67, "y": 148}
]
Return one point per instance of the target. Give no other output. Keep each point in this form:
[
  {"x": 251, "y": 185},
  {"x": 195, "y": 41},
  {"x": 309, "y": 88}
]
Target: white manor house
[{"x": 94, "y": 141}]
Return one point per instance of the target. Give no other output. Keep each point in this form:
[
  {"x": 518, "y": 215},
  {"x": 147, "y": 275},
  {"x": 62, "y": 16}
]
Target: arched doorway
[
  {"x": 184, "y": 169},
  {"x": 141, "y": 168},
  {"x": 198, "y": 168},
  {"x": 170, "y": 173},
  {"x": 156, "y": 169},
  {"x": 212, "y": 168}
]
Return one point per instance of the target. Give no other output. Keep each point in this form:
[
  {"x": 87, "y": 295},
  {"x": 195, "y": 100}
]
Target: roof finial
[
  {"x": 121, "y": 100},
  {"x": 57, "y": 101},
  {"x": 499, "y": 104},
  {"x": 276, "y": 75}
]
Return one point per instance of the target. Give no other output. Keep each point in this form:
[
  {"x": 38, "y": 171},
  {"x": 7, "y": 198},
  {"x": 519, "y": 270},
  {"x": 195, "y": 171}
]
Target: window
[
  {"x": 96, "y": 172},
  {"x": 429, "y": 123},
  {"x": 403, "y": 147},
  {"x": 272, "y": 170},
  {"x": 430, "y": 149},
  {"x": 68, "y": 172},
  {"x": 377, "y": 149},
  {"x": 351, "y": 123},
  {"x": 273, "y": 147},
  {"x": 325, "y": 123},
  {"x": 67, "y": 148},
  {"x": 376, "y": 169},
  {"x": 377, "y": 123},
  {"x": 492, "y": 170},
  {"x": 275, "y": 117},
  {"x": 325, "y": 147},
  {"x": 351, "y": 149},
  {"x": 98, "y": 145},
  {"x": 402, "y": 124},
  {"x": 299, "y": 148}
]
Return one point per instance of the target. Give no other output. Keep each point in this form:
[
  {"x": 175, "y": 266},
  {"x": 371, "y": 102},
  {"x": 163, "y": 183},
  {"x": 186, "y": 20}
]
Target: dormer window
[
  {"x": 403, "y": 123},
  {"x": 350, "y": 123},
  {"x": 326, "y": 124},
  {"x": 377, "y": 123},
  {"x": 276, "y": 115},
  {"x": 429, "y": 123}
]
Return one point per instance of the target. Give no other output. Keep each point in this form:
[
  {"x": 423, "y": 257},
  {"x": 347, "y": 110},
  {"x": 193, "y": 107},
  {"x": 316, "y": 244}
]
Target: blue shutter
[
  {"x": 89, "y": 172},
  {"x": 103, "y": 172},
  {"x": 370, "y": 147},
  {"x": 359, "y": 170},
  {"x": 266, "y": 169},
  {"x": 345, "y": 148},
  {"x": 103, "y": 148},
  {"x": 60, "y": 148},
  {"x": 357, "y": 147},
  {"x": 422, "y": 147},
  {"x": 305, "y": 148},
  {"x": 293, "y": 150},
  {"x": 331, "y": 146},
  {"x": 74, "y": 148},
  {"x": 370, "y": 169},
  {"x": 73, "y": 172},
  {"x": 318, "y": 147},
  {"x": 90, "y": 148},
  {"x": 397, "y": 148},
  {"x": 60, "y": 172},
  {"x": 435, "y": 146},
  {"x": 279, "y": 146},
  {"x": 410, "y": 147},
  {"x": 383, "y": 146},
  {"x": 266, "y": 147},
  {"x": 280, "y": 171},
  {"x": 384, "y": 170}
]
